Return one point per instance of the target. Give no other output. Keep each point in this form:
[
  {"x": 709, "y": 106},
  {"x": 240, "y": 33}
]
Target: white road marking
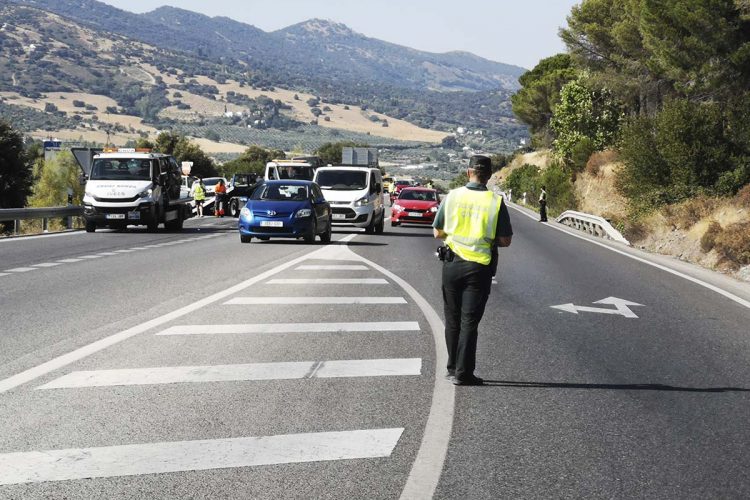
[
  {"x": 69, "y": 261},
  {"x": 236, "y": 373},
  {"x": 244, "y": 301},
  {"x": 139, "y": 248},
  {"x": 622, "y": 307},
  {"x": 48, "y": 264},
  {"x": 124, "y": 250},
  {"x": 5, "y": 274},
  {"x": 87, "y": 350},
  {"x": 21, "y": 270},
  {"x": 159, "y": 458},
  {"x": 340, "y": 267},
  {"x": 697, "y": 281},
  {"x": 329, "y": 281},
  {"x": 90, "y": 257},
  {"x": 390, "y": 326},
  {"x": 107, "y": 254}
]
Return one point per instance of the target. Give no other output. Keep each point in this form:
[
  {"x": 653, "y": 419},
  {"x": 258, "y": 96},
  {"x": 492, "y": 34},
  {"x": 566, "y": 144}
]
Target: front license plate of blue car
[{"x": 272, "y": 223}]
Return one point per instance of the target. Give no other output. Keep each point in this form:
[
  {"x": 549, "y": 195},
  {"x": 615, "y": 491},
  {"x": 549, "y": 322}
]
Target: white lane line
[
  {"x": 21, "y": 270},
  {"x": 107, "y": 254},
  {"x": 236, "y": 373},
  {"x": 160, "y": 458},
  {"x": 340, "y": 267},
  {"x": 89, "y": 257},
  {"x": 139, "y": 248},
  {"x": 69, "y": 261},
  {"x": 388, "y": 326},
  {"x": 124, "y": 250},
  {"x": 697, "y": 281},
  {"x": 245, "y": 301},
  {"x": 4, "y": 274},
  {"x": 329, "y": 281},
  {"x": 48, "y": 264},
  {"x": 87, "y": 350}
]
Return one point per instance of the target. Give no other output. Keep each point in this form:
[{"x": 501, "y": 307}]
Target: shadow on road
[{"x": 626, "y": 387}]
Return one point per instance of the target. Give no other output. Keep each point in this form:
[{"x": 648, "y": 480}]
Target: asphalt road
[{"x": 177, "y": 365}]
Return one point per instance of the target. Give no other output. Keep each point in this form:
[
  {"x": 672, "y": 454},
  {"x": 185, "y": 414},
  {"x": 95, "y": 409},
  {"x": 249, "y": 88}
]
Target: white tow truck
[{"x": 134, "y": 187}]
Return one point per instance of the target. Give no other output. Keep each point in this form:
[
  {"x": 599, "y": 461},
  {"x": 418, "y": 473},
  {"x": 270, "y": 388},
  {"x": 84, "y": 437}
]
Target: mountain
[
  {"x": 182, "y": 51},
  {"x": 330, "y": 51}
]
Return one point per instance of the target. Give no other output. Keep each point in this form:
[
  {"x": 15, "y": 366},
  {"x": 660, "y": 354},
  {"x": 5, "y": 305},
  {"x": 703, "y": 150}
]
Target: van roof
[{"x": 347, "y": 167}]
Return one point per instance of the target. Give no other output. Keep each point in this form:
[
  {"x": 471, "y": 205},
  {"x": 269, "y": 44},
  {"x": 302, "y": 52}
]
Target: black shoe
[
  {"x": 469, "y": 381},
  {"x": 449, "y": 376}
]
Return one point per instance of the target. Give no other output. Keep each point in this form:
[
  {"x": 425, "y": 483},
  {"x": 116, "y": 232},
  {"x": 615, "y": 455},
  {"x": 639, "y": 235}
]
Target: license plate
[
  {"x": 339, "y": 216},
  {"x": 134, "y": 215},
  {"x": 271, "y": 223},
  {"x": 115, "y": 216},
  {"x": 415, "y": 214}
]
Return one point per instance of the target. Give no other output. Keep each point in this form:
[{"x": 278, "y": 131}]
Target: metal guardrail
[
  {"x": 19, "y": 214},
  {"x": 592, "y": 224}
]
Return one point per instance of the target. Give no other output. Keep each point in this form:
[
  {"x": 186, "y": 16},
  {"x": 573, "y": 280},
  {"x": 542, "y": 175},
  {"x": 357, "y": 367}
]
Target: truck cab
[
  {"x": 134, "y": 187},
  {"x": 289, "y": 169}
]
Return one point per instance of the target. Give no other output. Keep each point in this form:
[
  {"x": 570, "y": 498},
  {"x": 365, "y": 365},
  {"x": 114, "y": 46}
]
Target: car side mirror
[{"x": 82, "y": 180}]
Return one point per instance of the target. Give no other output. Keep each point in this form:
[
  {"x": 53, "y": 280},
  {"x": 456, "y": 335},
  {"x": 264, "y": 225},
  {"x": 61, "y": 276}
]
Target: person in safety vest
[
  {"x": 198, "y": 192},
  {"x": 543, "y": 205},
  {"x": 473, "y": 222}
]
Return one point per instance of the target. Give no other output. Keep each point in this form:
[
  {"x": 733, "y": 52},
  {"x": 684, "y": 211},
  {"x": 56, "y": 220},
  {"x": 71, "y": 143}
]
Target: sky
[{"x": 519, "y": 32}]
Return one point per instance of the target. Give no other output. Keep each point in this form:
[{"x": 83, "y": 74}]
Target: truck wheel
[
  {"x": 90, "y": 227},
  {"x": 234, "y": 208},
  {"x": 245, "y": 238},
  {"x": 152, "y": 225},
  {"x": 370, "y": 229}
]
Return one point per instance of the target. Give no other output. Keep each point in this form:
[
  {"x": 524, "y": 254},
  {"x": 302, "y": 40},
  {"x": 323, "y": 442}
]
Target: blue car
[{"x": 286, "y": 209}]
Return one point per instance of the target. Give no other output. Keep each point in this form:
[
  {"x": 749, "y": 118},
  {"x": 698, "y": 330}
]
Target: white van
[{"x": 355, "y": 195}]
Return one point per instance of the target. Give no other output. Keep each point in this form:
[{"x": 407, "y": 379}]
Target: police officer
[
  {"x": 472, "y": 221},
  {"x": 543, "y": 205}
]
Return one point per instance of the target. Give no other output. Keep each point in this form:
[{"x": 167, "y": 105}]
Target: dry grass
[
  {"x": 688, "y": 213},
  {"x": 743, "y": 196},
  {"x": 598, "y": 160},
  {"x": 733, "y": 244},
  {"x": 708, "y": 240}
]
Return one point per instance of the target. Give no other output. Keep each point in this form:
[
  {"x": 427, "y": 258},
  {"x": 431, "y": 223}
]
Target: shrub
[
  {"x": 524, "y": 179},
  {"x": 560, "y": 191},
  {"x": 708, "y": 240},
  {"x": 78, "y": 104},
  {"x": 581, "y": 152},
  {"x": 733, "y": 244},
  {"x": 743, "y": 196}
]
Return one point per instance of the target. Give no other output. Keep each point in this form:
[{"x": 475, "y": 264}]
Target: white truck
[{"x": 134, "y": 187}]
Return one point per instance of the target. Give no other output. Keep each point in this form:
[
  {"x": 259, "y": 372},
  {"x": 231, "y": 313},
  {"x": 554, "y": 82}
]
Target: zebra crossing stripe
[
  {"x": 180, "y": 456},
  {"x": 385, "y": 326},
  {"x": 314, "y": 300},
  {"x": 328, "y": 281},
  {"x": 237, "y": 373}
]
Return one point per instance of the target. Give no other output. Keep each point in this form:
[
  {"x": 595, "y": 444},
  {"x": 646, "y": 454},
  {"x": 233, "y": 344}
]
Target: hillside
[
  {"x": 329, "y": 60},
  {"x": 59, "y": 78}
]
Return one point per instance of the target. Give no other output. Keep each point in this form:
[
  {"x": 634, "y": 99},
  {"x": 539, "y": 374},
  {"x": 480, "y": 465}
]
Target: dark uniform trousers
[{"x": 466, "y": 287}]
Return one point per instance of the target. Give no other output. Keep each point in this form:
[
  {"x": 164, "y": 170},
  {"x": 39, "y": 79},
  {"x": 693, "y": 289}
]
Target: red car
[
  {"x": 397, "y": 187},
  {"x": 415, "y": 205}
]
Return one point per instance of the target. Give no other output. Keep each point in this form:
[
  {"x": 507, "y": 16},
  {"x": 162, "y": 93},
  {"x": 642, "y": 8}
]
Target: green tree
[
  {"x": 585, "y": 115},
  {"x": 253, "y": 159},
  {"x": 56, "y": 177},
  {"x": 540, "y": 93},
  {"x": 15, "y": 169}
]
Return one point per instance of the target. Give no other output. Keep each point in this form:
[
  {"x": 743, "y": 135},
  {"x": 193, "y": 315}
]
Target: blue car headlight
[
  {"x": 305, "y": 212},
  {"x": 245, "y": 212}
]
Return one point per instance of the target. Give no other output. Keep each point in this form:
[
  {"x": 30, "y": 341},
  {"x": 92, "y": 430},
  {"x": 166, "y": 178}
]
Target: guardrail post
[
  {"x": 16, "y": 226},
  {"x": 45, "y": 225}
]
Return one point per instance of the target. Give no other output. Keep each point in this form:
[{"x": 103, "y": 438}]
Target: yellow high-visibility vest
[{"x": 470, "y": 223}]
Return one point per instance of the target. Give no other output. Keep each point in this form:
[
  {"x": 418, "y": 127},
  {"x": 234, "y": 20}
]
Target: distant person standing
[
  {"x": 221, "y": 193},
  {"x": 543, "y": 205},
  {"x": 198, "y": 192},
  {"x": 523, "y": 200}
]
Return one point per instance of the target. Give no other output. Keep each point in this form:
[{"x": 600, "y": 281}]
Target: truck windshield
[
  {"x": 121, "y": 169},
  {"x": 342, "y": 180},
  {"x": 296, "y": 172}
]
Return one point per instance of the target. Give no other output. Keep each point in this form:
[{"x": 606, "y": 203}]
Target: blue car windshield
[{"x": 280, "y": 192}]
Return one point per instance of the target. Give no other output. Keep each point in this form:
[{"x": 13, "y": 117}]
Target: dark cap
[{"x": 480, "y": 163}]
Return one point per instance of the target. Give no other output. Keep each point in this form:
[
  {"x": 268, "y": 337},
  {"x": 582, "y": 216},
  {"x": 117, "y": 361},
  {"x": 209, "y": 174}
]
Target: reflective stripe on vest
[
  {"x": 199, "y": 193},
  {"x": 470, "y": 223}
]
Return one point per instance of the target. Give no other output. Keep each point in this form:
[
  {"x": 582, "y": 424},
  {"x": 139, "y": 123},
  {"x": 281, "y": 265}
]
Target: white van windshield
[
  {"x": 121, "y": 169},
  {"x": 342, "y": 180}
]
